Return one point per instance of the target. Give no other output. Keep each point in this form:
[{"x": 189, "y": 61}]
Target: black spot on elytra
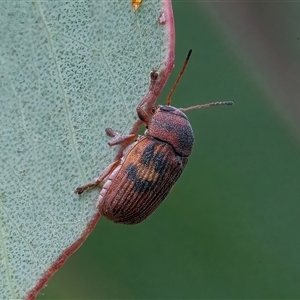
[
  {"x": 148, "y": 155},
  {"x": 140, "y": 185},
  {"x": 160, "y": 163},
  {"x": 131, "y": 171},
  {"x": 155, "y": 159}
]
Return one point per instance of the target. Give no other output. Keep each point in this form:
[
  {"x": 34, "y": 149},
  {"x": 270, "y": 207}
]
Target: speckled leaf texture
[{"x": 67, "y": 71}]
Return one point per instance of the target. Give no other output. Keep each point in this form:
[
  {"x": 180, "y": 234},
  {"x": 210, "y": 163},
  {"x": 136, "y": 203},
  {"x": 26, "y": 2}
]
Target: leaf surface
[{"x": 67, "y": 71}]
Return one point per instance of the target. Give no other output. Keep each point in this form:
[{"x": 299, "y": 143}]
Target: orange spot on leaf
[{"x": 136, "y": 4}]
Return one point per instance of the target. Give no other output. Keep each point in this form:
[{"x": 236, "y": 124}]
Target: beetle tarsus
[
  {"x": 79, "y": 190},
  {"x": 110, "y": 132},
  {"x": 83, "y": 188}
]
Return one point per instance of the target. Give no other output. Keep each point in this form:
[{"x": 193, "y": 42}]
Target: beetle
[{"x": 135, "y": 184}]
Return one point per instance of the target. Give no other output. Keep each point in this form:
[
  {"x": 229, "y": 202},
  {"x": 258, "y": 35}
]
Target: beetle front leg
[
  {"x": 145, "y": 107},
  {"x": 107, "y": 171}
]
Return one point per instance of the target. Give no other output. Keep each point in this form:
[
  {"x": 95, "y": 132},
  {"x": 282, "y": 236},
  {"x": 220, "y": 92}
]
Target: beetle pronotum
[{"x": 134, "y": 185}]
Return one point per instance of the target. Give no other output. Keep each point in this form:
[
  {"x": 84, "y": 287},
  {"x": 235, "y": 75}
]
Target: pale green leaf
[{"x": 67, "y": 71}]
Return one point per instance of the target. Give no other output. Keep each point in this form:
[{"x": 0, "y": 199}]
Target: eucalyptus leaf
[{"x": 67, "y": 71}]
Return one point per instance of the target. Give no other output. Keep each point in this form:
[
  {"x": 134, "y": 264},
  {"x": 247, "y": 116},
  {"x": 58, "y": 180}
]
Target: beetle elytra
[{"x": 134, "y": 185}]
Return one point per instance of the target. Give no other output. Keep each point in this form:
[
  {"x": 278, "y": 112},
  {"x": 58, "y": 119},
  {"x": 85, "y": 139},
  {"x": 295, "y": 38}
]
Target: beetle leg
[
  {"x": 107, "y": 171},
  {"x": 117, "y": 138},
  {"x": 145, "y": 107},
  {"x": 143, "y": 116}
]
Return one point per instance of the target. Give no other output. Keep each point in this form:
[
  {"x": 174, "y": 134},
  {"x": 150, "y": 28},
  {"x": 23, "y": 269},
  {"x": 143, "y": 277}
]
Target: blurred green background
[{"x": 230, "y": 227}]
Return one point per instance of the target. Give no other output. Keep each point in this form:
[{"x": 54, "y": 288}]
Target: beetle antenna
[
  {"x": 207, "y": 105},
  {"x": 178, "y": 78}
]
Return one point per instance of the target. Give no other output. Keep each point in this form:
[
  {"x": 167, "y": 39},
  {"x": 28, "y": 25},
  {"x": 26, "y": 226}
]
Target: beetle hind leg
[{"x": 107, "y": 171}]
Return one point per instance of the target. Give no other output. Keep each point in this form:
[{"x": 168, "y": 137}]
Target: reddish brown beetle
[{"x": 135, "y": 185}]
